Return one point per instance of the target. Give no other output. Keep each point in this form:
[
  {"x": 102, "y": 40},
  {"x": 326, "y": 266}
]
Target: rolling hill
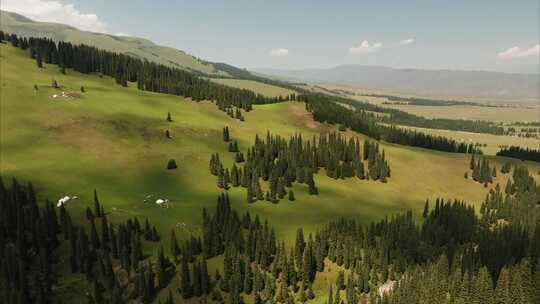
[
  {"x": 112, "y": 138},
  {"x": 133, "y": 46}
]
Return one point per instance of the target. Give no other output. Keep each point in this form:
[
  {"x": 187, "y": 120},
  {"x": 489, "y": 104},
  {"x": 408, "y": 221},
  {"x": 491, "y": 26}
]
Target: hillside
[
  {"x": 137, "y": 47},
  {"x": 112, "y": 138},
  {"x": 485, "y": 86}
]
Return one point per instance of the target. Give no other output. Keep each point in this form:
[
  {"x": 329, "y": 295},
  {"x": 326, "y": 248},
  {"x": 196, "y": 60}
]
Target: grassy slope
[
  {"x": 142, "y": 48},
  {"x": 112, "y": 139},
  {"x": 257, "y": 87}
]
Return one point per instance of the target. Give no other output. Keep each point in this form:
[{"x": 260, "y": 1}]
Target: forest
[
  {"x": 520, "y": 153},
  {"x": 282, "y": 162},
  {"x": 452, "y": 256}
]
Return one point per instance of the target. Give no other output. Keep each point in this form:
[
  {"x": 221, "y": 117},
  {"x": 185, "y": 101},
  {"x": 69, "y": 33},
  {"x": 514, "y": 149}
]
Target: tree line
[
  {"x": 325, "y": 110},
  {"x": 520, "y": 153},
  {"x": 148, "y": 76}
]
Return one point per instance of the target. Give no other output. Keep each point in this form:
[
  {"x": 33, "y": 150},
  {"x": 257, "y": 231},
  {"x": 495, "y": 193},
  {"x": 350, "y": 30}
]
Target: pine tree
[
  {"x": 226, "y": 136},
  {"x": 175, "y": 248},
  {"x": 171, "y": 164},
  {"x": 205, "y": 277},
  {"x": 426, "y": 210},
  {"x": 39, "y": 60},
  {"x": 291, "y": 196},
  {"x": 97, "y": 208},
  {"x": 185, "y": 282}
]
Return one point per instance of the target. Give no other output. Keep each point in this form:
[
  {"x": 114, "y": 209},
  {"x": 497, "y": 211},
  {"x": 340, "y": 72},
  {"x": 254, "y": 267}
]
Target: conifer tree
[
  {"x": 185, "y": 282},
  {"x": 291, "y": 196}
]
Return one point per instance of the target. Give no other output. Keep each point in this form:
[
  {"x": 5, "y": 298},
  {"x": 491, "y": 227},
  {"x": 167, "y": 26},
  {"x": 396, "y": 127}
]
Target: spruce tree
[
  {"x": 185, "y": 282},
  {"x": 291, "y": 196}
]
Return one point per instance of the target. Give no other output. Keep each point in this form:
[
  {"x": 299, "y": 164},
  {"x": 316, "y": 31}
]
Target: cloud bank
[
  {"x": 55, "y": 11},
  {"x": 365, "y": 47},
  {"x": 517, "y": 52}
]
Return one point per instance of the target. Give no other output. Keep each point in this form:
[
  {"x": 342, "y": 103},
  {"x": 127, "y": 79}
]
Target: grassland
[
  {"x": 492, "y": 142},
  {"x": 513, "y": 112},
  {"x": 497, "y": 114},
  {"x": 112, "y": 139},
  {"x": 257, "y": 87}
]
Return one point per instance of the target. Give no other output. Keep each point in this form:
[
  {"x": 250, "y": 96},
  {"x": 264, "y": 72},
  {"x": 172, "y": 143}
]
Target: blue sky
[{"x": 458, "y": 34}]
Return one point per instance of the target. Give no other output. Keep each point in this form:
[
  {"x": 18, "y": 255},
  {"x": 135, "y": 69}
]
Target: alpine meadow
[{"x": 275, "y": 164}]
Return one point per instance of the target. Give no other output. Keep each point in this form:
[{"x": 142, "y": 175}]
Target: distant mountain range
[
  {"x": 487, "y": 86},
  {"x": 137, "y": 47}
]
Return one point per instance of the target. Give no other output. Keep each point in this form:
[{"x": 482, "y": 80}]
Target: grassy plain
[
  {"x": 492, "y": 142},
  {"x": 257, "y": 87},
  {"x": 512, "y": 112}
]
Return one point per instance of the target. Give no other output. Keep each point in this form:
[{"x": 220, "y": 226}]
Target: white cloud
[
  {"x": 55, "y": 11},
  {"x": 517, "y": 52},
  {"x": 279, "y": 52},
  {"x": 407, "y": 41},
  {"x": 365, "y": 47}
]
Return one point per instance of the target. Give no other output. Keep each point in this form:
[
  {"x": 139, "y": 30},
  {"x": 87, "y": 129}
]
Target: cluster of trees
[
  {"x": 452, "y": 258},
  {"x": 378, "y": 168},
  {"x": 482, "y": 171},
  {"x": 517, "y": 203},
  {"x": 362, "y": 120},
  {"x": 282, "y": 162},
  {"x": 254, "y": 261},
  {"x": 476, "y": 126},
  {"x": 148, "y": 76},
  {"x": 520, "y": 153},
  {"x": 111, "y": 260},
  {"x": 423, "y": 101}
]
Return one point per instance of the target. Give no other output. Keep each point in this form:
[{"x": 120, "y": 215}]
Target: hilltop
[{"x": 133, "y": 46}]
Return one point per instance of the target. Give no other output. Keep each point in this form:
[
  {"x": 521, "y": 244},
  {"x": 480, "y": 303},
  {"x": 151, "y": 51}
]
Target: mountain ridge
[
  {"x": 434, "y": 83},
  {"x": 143, "y": 48}
]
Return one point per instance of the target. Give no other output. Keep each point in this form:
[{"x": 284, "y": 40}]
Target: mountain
[
  {"x": 493, "y": 86},
  {"x": 138, "y": 47}
]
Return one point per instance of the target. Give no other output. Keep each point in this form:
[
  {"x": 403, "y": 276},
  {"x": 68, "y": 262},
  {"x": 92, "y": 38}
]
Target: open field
[
  {"x": 497, "y": 114},
  {"x": 112, "y": 139},
  {"x": 493, "y": 142},
  {"x": 257, "y": 87},
  {"x": 517, "y": 112}
]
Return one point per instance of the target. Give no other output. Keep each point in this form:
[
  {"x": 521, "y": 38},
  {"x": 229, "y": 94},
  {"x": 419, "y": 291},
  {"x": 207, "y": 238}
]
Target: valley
[{"x": 136, "y": 173}]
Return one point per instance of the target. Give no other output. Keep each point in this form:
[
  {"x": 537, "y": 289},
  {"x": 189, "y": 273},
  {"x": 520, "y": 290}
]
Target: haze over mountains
[{"x": 437, "y": 83}]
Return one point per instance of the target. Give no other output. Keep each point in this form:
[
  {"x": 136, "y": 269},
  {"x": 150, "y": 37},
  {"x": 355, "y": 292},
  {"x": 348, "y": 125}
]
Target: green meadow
[
  {"x": 112, "y": 139},
  {"x": 267, "y": 90}
]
